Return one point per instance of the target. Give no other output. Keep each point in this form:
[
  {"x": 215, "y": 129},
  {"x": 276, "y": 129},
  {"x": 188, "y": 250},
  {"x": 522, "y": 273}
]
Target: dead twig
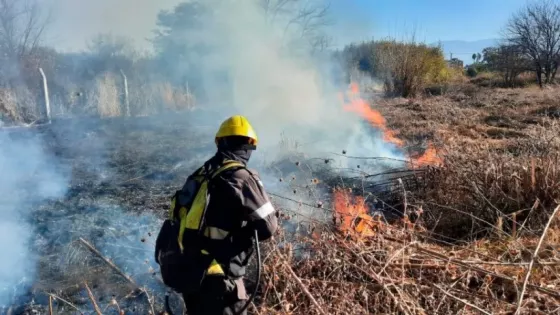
[
  {"x": 301, "y": 284},
  {"x": 106, "y": 260},
  {"x": 50, "y": 305},
  {"x": 377, "y": 278},
  {"x": 475, "y": 268},
  {"x": 92, "y": 299},
  {"x": 149, "y": 299},
  {"x": 535, "y": 256},
  {"x": 58, "y": 298},
  {"x": 461, "y": 300}
]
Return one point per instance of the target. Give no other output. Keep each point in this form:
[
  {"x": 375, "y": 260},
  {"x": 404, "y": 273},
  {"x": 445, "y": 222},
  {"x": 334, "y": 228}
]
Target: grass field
[{"x": 460, "y": 236}]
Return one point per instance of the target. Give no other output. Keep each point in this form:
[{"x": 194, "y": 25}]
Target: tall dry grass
[
  {"x": 501, "y": 151},
  {"x": 18, "y": 105},
  {"x": 153, "y": 97},
  {"x": 106, "y": 96}
]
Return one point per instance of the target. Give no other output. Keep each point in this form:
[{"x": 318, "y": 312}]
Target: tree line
[
  {"x": 531, "y": 43},
  {"x": 170, "y": 77}
]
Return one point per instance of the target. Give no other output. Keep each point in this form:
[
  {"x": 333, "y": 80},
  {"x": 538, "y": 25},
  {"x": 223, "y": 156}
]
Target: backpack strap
[{"x": 193, "y": 218}]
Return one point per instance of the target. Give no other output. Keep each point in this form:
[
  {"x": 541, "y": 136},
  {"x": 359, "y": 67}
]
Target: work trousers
[{"x": 217, "y": 296}]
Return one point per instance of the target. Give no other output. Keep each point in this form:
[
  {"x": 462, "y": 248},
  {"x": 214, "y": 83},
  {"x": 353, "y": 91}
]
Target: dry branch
[
  {"x": 50, "y": 305},
  {"x": 533, "y": 258},
  {"x": 92, "y": 299},
  {"x": 461, "y": 300},
  {"x": 475, "y": 268},
  {"x": 58, "y": 298},
  {"x": 106, "y": 260},
  {"x": 301, "y": 284}
]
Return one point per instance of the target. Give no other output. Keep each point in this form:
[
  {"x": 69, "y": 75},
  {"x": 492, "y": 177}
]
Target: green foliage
[
  {"x": 471, "y": 72},
  {"x": 508, "y": 61},
  {"x": 406, "y": 68}
]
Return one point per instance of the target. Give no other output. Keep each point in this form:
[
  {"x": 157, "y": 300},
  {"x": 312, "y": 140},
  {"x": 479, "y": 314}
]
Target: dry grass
[
  {"x": 106, "y": 96},
  {"x": 501, "y": 153},
  {"x": 477, "y": 220},
  {"x": 152, "y": 97},
  {"x": 18, "y": 104},
  {"x": 398, "y": 271}
]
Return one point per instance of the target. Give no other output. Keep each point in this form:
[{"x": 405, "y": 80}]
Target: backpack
[{"x": 184, "y": 263}]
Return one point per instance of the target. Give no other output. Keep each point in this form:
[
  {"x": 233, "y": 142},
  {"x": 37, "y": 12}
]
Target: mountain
[{"x": 464, "y": 49}]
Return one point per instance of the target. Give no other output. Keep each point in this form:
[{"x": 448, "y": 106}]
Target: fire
[
  {"x": 428, "y": 158},
  {"x": 351, "y": 213},
  {"x": 361, "y": 107},
  {"x": 358, "y": 105}
]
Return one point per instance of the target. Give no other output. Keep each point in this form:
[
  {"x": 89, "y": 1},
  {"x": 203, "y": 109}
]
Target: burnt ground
[{"x": 120, "y": 174}]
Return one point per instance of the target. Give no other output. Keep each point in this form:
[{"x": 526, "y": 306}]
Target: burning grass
[
  {"x": 398, "y": 270},
  {"x": 457, "y": 227}
]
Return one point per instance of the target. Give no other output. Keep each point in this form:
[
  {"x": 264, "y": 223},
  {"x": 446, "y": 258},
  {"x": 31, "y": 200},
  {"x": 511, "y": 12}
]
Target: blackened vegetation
[{"x": 123, "y": 172}]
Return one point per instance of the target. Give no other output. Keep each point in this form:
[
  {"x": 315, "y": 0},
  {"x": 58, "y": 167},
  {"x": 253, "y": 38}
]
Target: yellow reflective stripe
[
  {"x": 215, "y": 268},
  {"x": 215, "y": 233}
]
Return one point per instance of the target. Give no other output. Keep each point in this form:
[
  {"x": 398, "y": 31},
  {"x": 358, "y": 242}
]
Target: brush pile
[{"x": 399, "y": 269}]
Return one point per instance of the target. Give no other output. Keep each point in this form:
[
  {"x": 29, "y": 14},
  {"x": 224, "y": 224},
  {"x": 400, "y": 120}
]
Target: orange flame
[
  {"x": 428, "y": 158},
  {"x": 360, "y": 106},
  {"x": 352, "y": 214}
]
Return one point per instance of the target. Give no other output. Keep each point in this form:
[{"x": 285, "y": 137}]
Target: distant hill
[{"x": 464, "y": 49}]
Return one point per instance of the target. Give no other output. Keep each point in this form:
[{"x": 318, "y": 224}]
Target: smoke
[
  {"x": 267, "y": 67},
  {"x": 28, "y": 176},
  {"x": 75, "y": 22}
]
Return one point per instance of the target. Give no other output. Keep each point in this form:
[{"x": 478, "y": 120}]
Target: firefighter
[{"x": 212, "y": 220}]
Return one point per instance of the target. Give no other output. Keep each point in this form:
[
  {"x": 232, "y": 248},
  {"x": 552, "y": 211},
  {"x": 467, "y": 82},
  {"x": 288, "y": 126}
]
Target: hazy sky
[{"x": 76, "y": 21}]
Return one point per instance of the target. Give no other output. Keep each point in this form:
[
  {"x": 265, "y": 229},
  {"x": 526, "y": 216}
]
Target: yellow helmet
[{"x": 237, "y": 126}]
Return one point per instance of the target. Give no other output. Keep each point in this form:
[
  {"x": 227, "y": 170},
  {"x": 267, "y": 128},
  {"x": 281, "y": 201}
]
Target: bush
[
  {"x": 471, "y": 72},
  {"x": 406, "y": 68}
]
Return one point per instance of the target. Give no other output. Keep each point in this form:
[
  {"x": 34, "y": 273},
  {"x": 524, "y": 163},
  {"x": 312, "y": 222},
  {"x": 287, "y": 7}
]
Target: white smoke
[
  {"x": 283, "y": 86},
  {"x": 27, "y": 177}
]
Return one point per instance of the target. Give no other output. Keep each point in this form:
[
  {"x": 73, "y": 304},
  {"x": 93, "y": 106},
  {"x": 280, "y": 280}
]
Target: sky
[{"x": 74, "y": 22}]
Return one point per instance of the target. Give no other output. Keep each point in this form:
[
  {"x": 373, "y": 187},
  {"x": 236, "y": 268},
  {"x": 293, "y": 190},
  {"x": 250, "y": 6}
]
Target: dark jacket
[{"x": 238, "y": 206}]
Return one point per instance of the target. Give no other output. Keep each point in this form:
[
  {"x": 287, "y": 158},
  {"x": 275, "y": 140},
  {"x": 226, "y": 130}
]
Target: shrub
[
  {"x": 471, "y": 72},
  {"x": 406, "y": 68}
]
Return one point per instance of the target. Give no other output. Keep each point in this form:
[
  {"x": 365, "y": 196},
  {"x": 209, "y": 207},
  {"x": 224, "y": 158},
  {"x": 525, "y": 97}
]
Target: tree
[
  {"x": 306, "y": 18},
  {"x": 478, "y": 57},
  {"x": 22, "y": 26},
  {"x": 535, "y": 31},
  {"x": 197, "y": 41},
  {"x": 474, "y": 58},
  {"x": 110, "y": 53},
  {"x": 508, "y": 60}
]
